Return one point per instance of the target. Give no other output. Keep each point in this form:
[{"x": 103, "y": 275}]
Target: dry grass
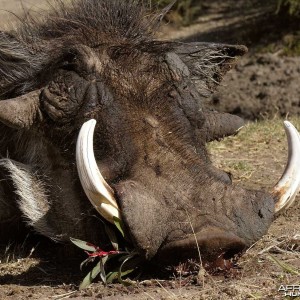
[{"x": 257, "y": 155}]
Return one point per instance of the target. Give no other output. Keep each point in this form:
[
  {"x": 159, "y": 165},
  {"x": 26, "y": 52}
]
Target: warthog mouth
[
  {"x": 217, "y": 247},
  {"x": 103, "y": 197}
]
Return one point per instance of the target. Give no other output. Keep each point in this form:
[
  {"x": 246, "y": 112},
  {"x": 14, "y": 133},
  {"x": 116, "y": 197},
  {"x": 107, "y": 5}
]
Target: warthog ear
[
  {"x": 21, "y": 112},
  {"x": 19, "y": 66},
  {"x": 208, "y": 62},
  {"x": 218, "y": 125}
]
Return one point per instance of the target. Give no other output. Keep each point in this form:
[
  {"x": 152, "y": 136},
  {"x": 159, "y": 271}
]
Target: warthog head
[{"x": 145, "y": 161}]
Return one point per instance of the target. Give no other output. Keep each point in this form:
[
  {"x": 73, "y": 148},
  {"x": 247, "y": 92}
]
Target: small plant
[{"x": 121, "y": 261}]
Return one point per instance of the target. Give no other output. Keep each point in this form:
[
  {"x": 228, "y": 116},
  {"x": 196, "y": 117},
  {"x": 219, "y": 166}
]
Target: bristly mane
[
  {"x": 93, "y": 20},
  {"x": 31, "y": 50}
]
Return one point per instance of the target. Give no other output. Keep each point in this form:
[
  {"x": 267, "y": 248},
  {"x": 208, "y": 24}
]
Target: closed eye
[{"x": 70, "y": 61}]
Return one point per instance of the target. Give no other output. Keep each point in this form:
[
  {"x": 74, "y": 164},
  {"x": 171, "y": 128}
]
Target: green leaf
[
  {"x": 119, "y": 225},
  {"x": 112, "y": 236},
  {"x": 122, "y": 273},
  {"x": 111, "y": 276},
  {"x": 86, "y": 261},
  {"x": 102, "y": 270},
  {"x": 105, "y": 259},
  {"x": 84, "y": 245},
  {"x": 90, "y": 276}
]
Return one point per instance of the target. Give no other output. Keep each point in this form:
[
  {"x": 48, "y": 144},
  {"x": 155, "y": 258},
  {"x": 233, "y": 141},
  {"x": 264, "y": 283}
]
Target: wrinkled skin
[{"x": 152, "y": 126}]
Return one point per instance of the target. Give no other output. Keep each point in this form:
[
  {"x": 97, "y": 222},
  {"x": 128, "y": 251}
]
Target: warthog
[{"x": 98, "y": 61}]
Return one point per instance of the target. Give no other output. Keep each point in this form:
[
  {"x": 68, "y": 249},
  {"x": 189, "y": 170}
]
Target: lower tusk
[
  {"x": 109, "y": 212},
  {"x": 93, "y": 183},
  {"x": 288, "y": 186}
]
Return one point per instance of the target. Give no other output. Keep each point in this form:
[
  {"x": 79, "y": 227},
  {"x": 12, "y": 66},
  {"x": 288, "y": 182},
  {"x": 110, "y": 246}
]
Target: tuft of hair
[
  {"x": 32, "y": 196},
  {"x": 93, "y": 22}
]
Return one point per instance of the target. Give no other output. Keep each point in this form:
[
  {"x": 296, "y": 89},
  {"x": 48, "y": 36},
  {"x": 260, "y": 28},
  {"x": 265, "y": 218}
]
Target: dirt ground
[{"x": 262, "y": 86}]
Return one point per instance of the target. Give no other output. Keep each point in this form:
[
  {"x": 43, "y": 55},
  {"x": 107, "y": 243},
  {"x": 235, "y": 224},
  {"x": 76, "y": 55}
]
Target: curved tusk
[
  {"x": 288, "y": 186},
  {"x": 108, "y": 212},
  {"x": 96, "y": 188}
]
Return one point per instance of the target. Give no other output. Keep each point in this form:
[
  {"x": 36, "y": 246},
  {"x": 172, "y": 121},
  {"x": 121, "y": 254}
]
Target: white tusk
[
  {"x": 109, "y": 212},
  {"x": 239, "y": 129},
  {"x": 288, "y": 186},
  {"x": 93, "y": 183}
]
